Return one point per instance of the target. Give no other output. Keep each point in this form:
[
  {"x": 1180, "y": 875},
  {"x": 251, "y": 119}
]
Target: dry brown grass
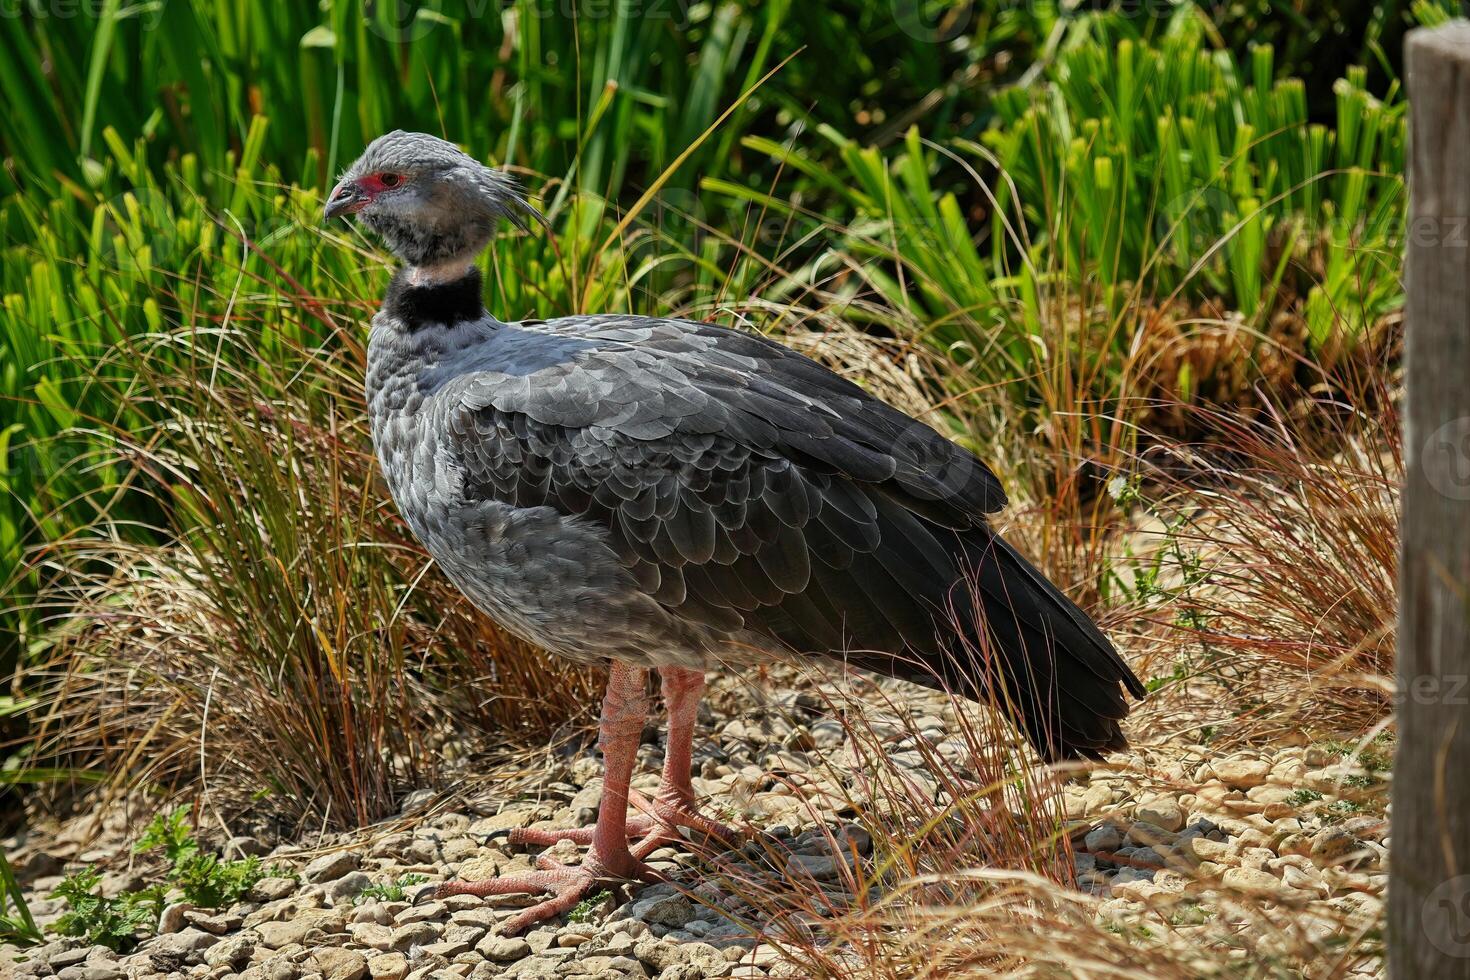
[
  {"x": 1291, "y": 525},
  {"x": 971, "y": 873},
  {"x": 289, "y": 647}
]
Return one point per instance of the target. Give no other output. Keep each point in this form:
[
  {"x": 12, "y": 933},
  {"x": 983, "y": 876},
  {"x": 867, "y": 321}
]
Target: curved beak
[{"x": 348, "y": 197}]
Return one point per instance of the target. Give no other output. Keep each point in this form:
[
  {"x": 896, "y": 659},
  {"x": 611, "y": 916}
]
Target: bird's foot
[
  {"x": 568, "y": 885},
  {"x": 667, "y": 813},
  {"x": 658, "y": 824}
]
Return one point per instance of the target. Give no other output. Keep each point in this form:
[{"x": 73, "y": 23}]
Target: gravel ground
[{"x": 1165, "y": 833}]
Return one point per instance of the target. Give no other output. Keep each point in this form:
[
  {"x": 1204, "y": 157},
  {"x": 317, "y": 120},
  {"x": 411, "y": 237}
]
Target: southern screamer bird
[{"x": 668, "y": 495}]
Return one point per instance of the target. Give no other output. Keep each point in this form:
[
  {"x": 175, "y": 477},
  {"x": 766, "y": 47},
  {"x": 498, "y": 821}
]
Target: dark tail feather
[
  {"x": 1026, "y": 648},
  {"x": 1062, "y": 681}
]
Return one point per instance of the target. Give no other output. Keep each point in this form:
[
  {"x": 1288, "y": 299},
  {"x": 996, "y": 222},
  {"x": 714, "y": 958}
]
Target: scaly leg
[
  {"x": 624, "y": 709},
  {"x": 673, "y": 805}
]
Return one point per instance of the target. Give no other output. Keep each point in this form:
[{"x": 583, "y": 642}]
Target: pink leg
[
  {"x": 682, "y": 689},
  {"x": 624, "y": 709},
  {"x": 673, "y": 806}
]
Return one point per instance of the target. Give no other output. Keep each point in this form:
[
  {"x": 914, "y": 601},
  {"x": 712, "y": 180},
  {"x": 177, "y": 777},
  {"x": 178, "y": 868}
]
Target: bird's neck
[
  {"x": 440, "y": 273},
  {"x": 417, "y": 301}
]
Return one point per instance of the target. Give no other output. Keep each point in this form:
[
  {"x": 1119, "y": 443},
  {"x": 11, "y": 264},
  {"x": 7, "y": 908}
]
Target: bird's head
[{"x": 434, "y": 206}]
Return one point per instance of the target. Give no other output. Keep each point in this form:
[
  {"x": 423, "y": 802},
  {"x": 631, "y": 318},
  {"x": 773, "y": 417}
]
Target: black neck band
[{"x": 436, "y": 304}]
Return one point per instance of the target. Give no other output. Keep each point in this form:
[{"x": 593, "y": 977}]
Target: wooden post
[{"x": 1429, "y": 888}]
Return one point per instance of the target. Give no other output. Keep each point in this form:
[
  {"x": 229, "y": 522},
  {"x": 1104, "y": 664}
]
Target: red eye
[{"x": 390, "y": 180}]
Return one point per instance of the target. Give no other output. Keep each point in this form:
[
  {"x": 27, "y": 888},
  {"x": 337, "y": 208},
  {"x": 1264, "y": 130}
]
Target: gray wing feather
[{"x": 725, "y": 469}]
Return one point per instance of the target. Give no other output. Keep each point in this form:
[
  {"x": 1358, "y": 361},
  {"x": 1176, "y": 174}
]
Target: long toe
[
  {"x": 670, "y": 814},
  {"x": 637, "y": 826},
  {"x": 568, "y": 884}
]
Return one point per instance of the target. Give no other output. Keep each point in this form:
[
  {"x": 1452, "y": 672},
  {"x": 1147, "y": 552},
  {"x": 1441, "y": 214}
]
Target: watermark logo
[
  {"x": 149, "y": 14},
  {"x": 400, "y": 21},
  {"x": 1446, "y": 459},
  {"x": 1197, "y": 224},
  {"x": 1446, "y": 917},
  {"x": 678, "y": 224},
  {"x": 1451, "y": 689},
  {"x": 930, "y": 21}
]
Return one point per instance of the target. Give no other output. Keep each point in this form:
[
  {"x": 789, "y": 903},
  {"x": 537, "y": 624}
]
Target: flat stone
[
  {"x": 275, "y": 935},
  {"x": 852, "y": 837},
  {"x": 1148, "y": 857},
  {"x": 389, "y": 846},
  {"x": 1163, "y": 812},
  {"x": 533, "y": 969},
  {"x": 415, "y": 934},
  {"x": 421, "y": 851},
  {"x": 823, "y": 867},
  {"x": 1205, "y": 849},
  {"x": 373, "y": 934},
  {"x": 458, "y": 849},
  {"x": 186, "y": 944},
  {"x": 503, "y": 821},
  {"x": 91, "y": 971},
  {"x": 1334, "y": 845},
  {"x": 1241, "y": 772},
  {"x": 485, "y": 918},
  {"x": 63, "y": 956},
  {"x": 480, "y": 867},
  {"x": 503, "y": 949},
  {"x": 461, "y": 933},
  {"x": 1098, "y": 795},
  {"x": 337, "y": 964},
  {"x": 448, "y": 948},
  {"x": 231, "y": 952},
  {"x": 348, "y": 886},
  {"x": 330, "y": 867},
  {"x": 1305, "y": 879},
  {"x": 387, "y": 966},
  {"x": 618, "y": 944},
  {"x": 1367, "y": 828},
  {"x": 672, "y": 911},
  {"x": 171, "y": 919},
  {"x": 217, "y": 923},
  {"x": 1298, "y": 844},
  {"x": 1143, "y": 832},
  {"x": 272, "y": 889},
  {"x": 1136, "y": 890},
  {"x": 280, "y": 968},
  {"x": 372, "y": 912},
  {"x": 421, "y": 913},
  {"x": 282, "y": 909},
  {"x": 1253, "y": 882},
  {"x": 656, "y": 954},
  {"x": 1104, "y": 837}
]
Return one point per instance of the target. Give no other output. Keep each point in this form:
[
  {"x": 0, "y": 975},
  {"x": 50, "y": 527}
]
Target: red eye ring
[{"x": 389, "y": 180}]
